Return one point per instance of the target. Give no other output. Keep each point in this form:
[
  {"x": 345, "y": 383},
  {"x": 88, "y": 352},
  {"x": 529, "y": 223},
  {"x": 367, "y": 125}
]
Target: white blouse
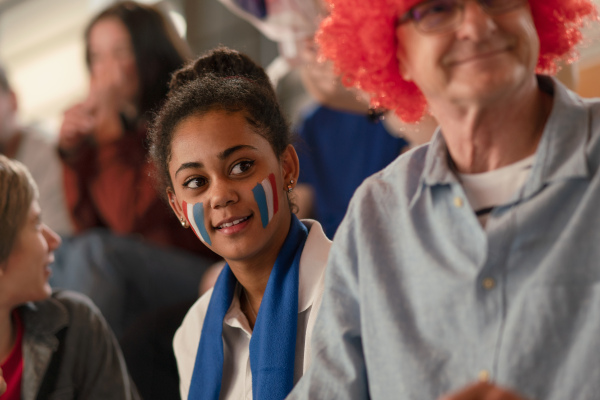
[{"x": 237, "y": 377}]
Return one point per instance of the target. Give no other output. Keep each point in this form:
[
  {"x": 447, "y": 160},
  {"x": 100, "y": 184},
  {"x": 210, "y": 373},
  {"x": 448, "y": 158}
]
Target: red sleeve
[
  {"x": 78, "y": 170},
  {"x": 122, "y": 189},
  {"x": 112, "y": 186}
]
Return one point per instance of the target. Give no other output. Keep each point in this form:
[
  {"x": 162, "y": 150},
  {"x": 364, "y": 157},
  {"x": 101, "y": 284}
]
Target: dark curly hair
[{"x": 223, "y": 79}]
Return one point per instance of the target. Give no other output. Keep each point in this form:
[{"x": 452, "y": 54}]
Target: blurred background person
[
  {"x": 129, "y": 255},
  {"x": 51, "y": 343},
  {"x": 37, "y": 150}
]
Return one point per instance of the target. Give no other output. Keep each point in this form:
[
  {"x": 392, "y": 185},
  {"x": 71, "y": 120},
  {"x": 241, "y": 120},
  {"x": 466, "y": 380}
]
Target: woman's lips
[{"x": 233, "y": 225}]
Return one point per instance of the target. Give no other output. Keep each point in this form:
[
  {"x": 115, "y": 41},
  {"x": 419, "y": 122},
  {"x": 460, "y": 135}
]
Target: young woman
[
  {"x": 222, "y": 147},
  {"x": 52, "y": 344}
]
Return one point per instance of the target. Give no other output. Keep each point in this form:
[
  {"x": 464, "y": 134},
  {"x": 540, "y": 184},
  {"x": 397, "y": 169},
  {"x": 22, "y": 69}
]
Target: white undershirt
[{"x": 490, "y": 189}]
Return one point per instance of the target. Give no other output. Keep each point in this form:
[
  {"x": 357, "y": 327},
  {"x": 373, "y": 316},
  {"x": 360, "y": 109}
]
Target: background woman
[
  {"x": 40, "y": 330},
  {"x": 222, "y": 148},
  {"x": 130, "y": 256}
]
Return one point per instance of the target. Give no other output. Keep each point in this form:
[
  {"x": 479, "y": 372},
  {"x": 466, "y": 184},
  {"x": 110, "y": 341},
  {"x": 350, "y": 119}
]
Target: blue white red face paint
[
  {"x": 265, "y": 195},
  {"x": 266, "y": 198},
  {"x": 194, "y": 213}
]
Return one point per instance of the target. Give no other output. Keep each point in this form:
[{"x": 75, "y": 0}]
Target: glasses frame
[{"x": 410, "y": 15}]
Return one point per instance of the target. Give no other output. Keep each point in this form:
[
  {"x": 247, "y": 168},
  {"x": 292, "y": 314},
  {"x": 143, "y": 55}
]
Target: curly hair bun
[{"x": 220, "y": 63}]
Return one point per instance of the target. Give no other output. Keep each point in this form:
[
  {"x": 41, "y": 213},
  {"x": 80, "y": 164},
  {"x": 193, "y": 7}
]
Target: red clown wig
[{"x": 359, "y": 36}]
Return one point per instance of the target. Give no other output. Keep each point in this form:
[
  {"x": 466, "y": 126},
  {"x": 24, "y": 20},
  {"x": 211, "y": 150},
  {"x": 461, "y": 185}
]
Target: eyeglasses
[{"x": 436, "y": 16}]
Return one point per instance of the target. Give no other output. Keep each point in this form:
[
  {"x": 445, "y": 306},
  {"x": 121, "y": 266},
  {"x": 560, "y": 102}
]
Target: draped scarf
[{"x": 273, "y": 342}]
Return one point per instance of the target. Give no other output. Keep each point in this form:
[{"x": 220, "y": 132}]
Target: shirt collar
[
  {"x": 561, "y": 152},
  {"x": 312, "y": 267},
  {"x": 45, "y": 317}
]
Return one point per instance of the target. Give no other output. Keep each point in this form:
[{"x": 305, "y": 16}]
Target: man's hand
[
  {"x": 482, "y": 391},
  {"x": 2, "y": 383}
]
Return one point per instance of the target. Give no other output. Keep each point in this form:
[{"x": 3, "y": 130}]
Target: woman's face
[
  {"x": 24, "y": 275},
  {"x": 229, "y": 184},
  {"x": 112, "y": 58}
]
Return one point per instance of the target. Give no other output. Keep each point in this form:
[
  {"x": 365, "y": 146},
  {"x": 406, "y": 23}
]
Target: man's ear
[
  {"x": 290, "y": 166},
  {"x": 401, "y": 57},
  {"x": 175, "y": 206}
]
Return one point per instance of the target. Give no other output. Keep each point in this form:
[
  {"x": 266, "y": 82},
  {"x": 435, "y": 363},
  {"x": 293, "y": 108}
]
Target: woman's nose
[
  {"x": 222, "y": 194},
  {"x": 52, "y": 238}
]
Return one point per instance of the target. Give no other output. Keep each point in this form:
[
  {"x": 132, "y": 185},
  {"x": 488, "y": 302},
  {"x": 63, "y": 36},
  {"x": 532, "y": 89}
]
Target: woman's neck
[
  {"x": 253, "y": 274},
  {"x": 8, "y": 333}
]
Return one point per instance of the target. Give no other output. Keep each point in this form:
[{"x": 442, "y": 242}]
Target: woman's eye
[
  {"x": 241, "y": 167},
  {"x": 195, "y": 183}
]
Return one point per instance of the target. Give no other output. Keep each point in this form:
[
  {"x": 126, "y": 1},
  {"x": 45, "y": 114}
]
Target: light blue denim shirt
[{"x": 420, "y": 300}]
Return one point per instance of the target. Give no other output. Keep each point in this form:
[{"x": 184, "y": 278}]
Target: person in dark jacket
[{"x": 52, "y": 344}]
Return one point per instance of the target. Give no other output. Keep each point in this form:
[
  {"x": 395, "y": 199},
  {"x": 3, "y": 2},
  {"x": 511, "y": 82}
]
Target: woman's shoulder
[
  {"x": 186, "y": 339},
  {"x": 188, "y": 333},
  {"x": 62, "y": 308}
]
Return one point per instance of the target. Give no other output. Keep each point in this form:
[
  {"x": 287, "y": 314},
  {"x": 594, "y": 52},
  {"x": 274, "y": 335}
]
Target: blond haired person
[{"x": 51, "y": 343}]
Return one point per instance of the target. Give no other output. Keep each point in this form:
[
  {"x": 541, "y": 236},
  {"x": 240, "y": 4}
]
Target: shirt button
[
  {"x": 483, "y": 375},
  {"x": 488, "y": 283},
  {"x": 458, "y": 202}
]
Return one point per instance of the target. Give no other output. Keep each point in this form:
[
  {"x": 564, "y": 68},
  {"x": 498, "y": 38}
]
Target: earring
[
  {"x": 290, "y": 187},
  {"x": 183, "y": 222}
]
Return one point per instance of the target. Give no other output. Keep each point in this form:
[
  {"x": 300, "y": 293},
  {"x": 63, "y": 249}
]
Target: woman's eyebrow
[
  {"x": 226, "y": 153},
  {"x": 221, "y": 156},
  {"x": 189, "y": 165}
]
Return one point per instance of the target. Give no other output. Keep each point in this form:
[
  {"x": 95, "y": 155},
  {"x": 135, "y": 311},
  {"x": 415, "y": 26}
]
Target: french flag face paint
[
  {"x": 266, "y": 198},
  {"x": 194, "y": 213}
]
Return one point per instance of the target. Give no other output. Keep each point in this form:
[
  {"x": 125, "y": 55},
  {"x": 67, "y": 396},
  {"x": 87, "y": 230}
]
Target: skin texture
[
  {"x": 114, "y": 86},
  {"x": 24, "y": 274},
  {"x": 217, "y": 159},
  {"x": 475, "y": 63},
  {"x": 2, "y": 383},
  {"x": 480, "y": 83},
  {"x": 26, "y": 271}
]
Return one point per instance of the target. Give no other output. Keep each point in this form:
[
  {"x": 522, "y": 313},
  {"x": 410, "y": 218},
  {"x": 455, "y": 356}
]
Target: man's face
[{"x": 485, "y": 58}]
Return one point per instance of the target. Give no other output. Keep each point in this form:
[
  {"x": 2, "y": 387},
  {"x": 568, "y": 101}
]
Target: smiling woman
[
  {"x": 223, "y": 150},
  {"x": 41, "y": 330}
]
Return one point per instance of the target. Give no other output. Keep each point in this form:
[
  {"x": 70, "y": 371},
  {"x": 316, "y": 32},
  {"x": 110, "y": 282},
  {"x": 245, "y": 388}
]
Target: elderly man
[{"x": 469, "y": 268}]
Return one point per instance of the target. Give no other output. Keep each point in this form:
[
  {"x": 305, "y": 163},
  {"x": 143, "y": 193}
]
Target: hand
[
  {"x": 2, "y": 383},
  {"x": 78, "y": 125},
  {"x": 482, "y": 391},
  {"x": 109, "y": 97}
]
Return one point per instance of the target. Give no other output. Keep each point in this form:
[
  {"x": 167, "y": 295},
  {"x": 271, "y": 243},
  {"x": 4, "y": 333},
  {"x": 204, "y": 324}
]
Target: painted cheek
[
  {"x": 265, "y": 195},
  {"x": 194, "y": 213}
]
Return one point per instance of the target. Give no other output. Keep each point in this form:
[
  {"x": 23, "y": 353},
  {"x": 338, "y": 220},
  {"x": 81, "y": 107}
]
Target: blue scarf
[{"x": 273, "y": 342}]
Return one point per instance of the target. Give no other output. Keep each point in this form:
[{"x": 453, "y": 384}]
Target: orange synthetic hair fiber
[{"x": 359, "y": 36}]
